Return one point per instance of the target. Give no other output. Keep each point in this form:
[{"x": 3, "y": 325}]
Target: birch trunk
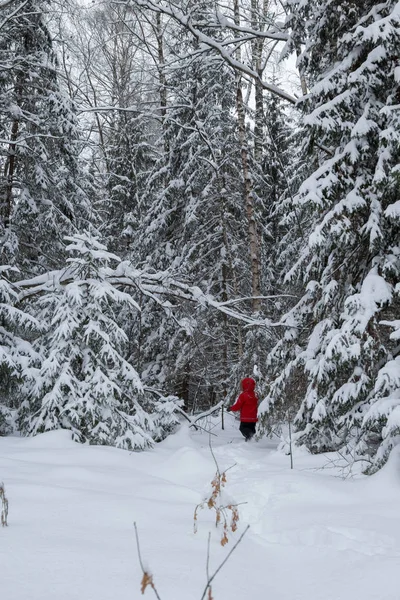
[
  {"x": 248, "y": 185},
  {"x": 162, "y": 77},
  {"x": 257, "y": 45}
]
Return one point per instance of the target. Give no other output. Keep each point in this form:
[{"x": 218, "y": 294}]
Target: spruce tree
[
  {"x": 345, "y": 322},
  {"x": 17, "y": 355},
  {"x": 41, "y": 193},
  {"x": 84, "y": 382}
]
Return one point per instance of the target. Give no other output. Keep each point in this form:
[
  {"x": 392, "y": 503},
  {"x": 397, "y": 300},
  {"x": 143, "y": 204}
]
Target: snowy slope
[{"x": 313, "y": 535}]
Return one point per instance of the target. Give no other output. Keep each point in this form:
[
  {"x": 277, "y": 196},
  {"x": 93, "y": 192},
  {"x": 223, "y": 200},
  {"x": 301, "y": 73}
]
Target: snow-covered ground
[{"x": 313, "y": 535}]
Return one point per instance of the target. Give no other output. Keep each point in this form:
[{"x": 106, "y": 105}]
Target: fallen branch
[
  {"x": 208, "y": 412},
  {"x": 193, "y": 423},
  {"x": 179, "y": 410}
]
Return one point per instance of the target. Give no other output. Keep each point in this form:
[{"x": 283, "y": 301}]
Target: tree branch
[{"x": 210, "y": 43}]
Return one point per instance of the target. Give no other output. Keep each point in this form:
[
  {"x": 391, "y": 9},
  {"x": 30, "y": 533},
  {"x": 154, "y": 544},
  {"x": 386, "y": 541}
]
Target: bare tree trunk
[
  {"x": 303, "y": 82},
  {"x": 161, "y": 69},
  {"x": 234, "y": 280},
  {"x": 225, "y": 320},
  {"x": 9, "y": 171},
  {"x": 290, "y": 441},
  {"x": 103, "y": 144},
  {"x": 249, "y": 199},
  {"x": 248, "y": 184},
  {"x": 10, "y": 164},
  {"x": 185, "y": 388},
  {"x": 162, "y": 86},
  {"x": 257, "y": 45}
]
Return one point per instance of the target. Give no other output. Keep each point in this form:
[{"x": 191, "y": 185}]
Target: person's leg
[
  {"x": 252, "y": 429},
  {"x": 245, "y": 430}
]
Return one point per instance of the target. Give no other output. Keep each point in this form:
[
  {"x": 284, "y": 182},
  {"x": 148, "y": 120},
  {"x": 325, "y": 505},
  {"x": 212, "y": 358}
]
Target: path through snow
[{"x": 313, "y": 536}]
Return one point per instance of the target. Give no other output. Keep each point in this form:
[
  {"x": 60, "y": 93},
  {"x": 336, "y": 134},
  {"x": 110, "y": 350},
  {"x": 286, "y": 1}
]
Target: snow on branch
[
  {"x": 208, "y": 412},
  {"x": 220, "y": 46},
  {"x": 6, "y": 3},
  {"x": 154, "y": 285},
  {"x": 164, "y": 284}
]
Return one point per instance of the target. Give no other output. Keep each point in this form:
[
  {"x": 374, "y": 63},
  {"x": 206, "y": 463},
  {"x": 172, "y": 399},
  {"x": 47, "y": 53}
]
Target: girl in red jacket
[{"x": 247, "y": 403}]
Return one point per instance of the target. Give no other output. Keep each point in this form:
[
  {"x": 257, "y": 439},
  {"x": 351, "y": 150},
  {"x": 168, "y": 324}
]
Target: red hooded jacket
[{"x": 247, "y": 402}]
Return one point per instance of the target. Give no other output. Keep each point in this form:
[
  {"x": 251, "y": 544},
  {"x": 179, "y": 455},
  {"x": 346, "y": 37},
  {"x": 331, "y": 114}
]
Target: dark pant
[{"x": 248, "y": 430}]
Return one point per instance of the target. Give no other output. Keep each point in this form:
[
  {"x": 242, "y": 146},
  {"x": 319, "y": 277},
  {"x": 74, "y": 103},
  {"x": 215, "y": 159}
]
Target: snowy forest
[{"x": 193, "y": 192}]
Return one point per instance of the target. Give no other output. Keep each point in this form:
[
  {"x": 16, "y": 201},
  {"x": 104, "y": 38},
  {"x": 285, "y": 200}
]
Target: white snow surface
[{"x": 313, "y": 534}]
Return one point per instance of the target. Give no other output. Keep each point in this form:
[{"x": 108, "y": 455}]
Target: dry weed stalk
[
  {"x": 225, "y": 515},
  {"x": 228, "y": 515},
  {"x": 147, "y": 579},
  {"x": 210, "y": 578},
  {"x": 4, "y": 506}
]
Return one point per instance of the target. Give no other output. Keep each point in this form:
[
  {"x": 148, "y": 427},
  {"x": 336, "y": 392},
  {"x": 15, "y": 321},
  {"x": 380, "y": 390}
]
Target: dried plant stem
[
  {"x": 208, "y": 557},
  {"x": 4, "y": 506},
  {"x": 213, "y": 455},
  {"x": 213, "y": 502},
  {"x": 217, "y": 570},
  {"x": 147, "y": 579}
]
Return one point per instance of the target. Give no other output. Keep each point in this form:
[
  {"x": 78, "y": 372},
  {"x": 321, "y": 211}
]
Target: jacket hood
[{"x": 248, "y": 384}]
